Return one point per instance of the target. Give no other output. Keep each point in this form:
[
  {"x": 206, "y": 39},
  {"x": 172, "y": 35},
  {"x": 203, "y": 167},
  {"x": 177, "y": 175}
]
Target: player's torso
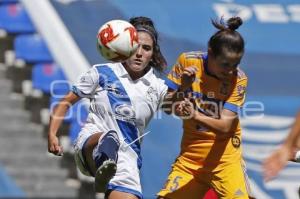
[
  {"x": 210, "y": 94},
  {"x": 119, "y": 97}
]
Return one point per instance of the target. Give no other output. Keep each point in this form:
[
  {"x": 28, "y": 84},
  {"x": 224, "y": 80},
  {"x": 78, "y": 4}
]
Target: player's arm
[
  {"x": 56, "y": 119},
  {"x": 293, "y": 139},
  {"x": 227, "y": 123},
  {"x": 83, "y": 88},
  {"x": 179, "y": 80},
  {"x": 228, "y": 119}
]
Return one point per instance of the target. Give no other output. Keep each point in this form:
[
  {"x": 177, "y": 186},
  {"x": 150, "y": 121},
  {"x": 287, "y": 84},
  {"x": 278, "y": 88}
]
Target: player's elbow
[{"x": 226, "y": 131}]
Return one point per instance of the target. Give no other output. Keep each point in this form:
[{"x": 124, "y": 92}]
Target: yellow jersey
[{"x": 200, "y": 147}]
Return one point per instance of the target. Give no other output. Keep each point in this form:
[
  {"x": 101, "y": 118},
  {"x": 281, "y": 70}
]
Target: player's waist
[
  {"x": 199, "y": 151},
  {"x": 211, "y": 160}
]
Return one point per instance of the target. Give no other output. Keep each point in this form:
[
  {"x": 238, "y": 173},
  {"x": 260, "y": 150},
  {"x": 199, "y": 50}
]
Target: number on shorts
[{"x": 175, "y": 183}]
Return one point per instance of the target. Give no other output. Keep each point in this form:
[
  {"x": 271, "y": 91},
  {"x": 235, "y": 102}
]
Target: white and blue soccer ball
[{"x": 117, "y": 40}]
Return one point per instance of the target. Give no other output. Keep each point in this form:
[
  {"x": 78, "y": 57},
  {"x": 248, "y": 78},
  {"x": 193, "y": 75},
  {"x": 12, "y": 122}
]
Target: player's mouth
[{"x": 138, "y": 62}]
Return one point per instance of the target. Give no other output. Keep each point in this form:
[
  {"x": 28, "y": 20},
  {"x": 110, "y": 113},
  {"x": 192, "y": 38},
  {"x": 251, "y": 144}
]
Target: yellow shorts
[{"x": 229, "y": 183}]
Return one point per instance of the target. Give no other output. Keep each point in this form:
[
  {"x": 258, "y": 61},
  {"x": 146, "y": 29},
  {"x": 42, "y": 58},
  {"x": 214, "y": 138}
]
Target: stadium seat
[
  {"x": 43, "y": 75},
  {"x": 8, "y": 1},
  {"x": 29, "y": 50},
  {"x": 14, "y": 19},
  {"x": 32, "y": 49}
]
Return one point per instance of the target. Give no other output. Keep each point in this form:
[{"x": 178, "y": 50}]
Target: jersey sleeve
[
  {"x": 237, "y": 98},
  {"x": 87, "y": 83},
  {"x": 173, "y": 80}
]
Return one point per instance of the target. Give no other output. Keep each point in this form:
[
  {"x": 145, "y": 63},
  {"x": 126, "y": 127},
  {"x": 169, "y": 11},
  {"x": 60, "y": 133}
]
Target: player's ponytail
[
  {"x": 227, "y": 38},
  {"x": 234, "y": 23}
]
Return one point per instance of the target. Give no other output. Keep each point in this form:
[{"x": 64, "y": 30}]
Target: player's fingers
[
  {"x": 190, "y": 71},
  {"x": 55, "y": 149},
  {"x": 52, "y": 148}
]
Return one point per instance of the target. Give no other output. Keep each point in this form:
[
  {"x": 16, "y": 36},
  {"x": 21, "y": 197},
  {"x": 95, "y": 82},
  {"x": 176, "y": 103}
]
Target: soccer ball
[{"x": 117, "y": 40}]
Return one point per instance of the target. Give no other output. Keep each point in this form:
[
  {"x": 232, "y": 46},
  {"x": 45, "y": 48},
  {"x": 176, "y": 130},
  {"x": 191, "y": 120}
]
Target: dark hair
[
  {"x": 146, "y": 24},
  {"x": 227, "y": 38}
]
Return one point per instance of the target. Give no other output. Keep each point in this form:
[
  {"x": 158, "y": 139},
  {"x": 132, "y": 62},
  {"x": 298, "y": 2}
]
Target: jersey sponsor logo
[{"x": 125, "y": 112}]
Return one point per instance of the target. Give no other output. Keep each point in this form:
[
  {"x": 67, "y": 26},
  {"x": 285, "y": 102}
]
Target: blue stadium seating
[
  {"x": 14, "y": 19},
  {"x": 44, "y": 74},
  {"x": 8, "y": 1},
  {"x": 32, "y": 48}
]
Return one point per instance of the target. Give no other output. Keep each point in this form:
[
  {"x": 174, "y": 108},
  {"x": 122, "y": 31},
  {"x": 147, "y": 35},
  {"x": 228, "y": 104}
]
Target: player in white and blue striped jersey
[{"x": 124, "y": 97}]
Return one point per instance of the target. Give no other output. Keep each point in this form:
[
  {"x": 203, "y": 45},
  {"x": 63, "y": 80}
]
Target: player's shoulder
[
  {"x": 107, "y": 68},
  {"x": 192, "y": 58},
  {"x": 157, "y": 77}
]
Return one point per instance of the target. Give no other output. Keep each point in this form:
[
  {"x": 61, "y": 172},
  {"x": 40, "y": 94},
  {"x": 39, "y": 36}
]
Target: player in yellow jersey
[{"x": 211, "y": 153}]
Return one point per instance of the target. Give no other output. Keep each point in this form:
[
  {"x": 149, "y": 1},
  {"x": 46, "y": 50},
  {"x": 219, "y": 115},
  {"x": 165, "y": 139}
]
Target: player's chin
[{"x": 137, "y": 67}]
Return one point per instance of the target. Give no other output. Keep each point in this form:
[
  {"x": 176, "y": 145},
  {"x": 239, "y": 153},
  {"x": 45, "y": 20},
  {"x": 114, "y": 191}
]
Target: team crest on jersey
[
  {"x": 236, "y": 142},
  {"x": 152, "y": 94}
]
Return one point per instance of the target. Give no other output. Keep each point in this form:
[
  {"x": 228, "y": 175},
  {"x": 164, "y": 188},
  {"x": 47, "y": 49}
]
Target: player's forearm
[
  {"x": 57, "y": 117},
  {"x": 222, "y": 125}
]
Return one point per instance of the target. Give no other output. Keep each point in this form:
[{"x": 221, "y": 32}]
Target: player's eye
[{"x": 146, "y": 47}]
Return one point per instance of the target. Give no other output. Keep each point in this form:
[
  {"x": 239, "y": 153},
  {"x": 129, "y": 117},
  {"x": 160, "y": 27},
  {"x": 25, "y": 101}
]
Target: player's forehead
[{"x": 145, "y": 38}]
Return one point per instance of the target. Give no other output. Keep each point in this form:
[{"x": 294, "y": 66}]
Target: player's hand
[
  {"x": 276, "y": 162},
  {"x": 187, "y": 108},
  {"x": 53, "y": 146},
  {"x": 188, "y": 77}
]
